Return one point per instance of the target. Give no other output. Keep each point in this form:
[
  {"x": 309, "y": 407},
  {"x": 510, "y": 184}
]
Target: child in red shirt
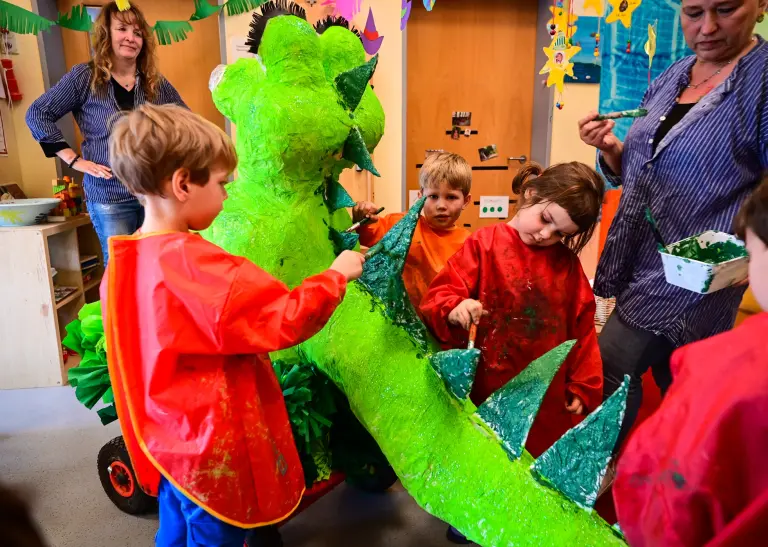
[
  {"x": 188, "y": 329},
  {"x": 523, "y": 285},
  {"x": 446, "y": 181},
  {"x": 696, "y": 472}
]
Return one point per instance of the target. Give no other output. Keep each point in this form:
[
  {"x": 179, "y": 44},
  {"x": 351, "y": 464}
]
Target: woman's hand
[
  {"x": 468, "y": 312},
  {"x": 600, "y": 135},
  {"x": 363, "y": 210},
  {"x": 93, "y": 169}
]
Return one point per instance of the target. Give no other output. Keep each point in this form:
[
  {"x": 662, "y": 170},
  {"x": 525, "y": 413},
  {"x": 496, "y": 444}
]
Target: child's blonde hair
[
  {"x": 150, "y": 143},
  {"x": 446, "y": 167},
  {"x": 574, "y": 186}
]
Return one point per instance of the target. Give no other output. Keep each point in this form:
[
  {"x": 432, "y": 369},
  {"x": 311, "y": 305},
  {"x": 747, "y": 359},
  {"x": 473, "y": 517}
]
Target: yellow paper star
[
  {"x": 622, "y": 11},
  {"x": 597, "y": 5},
  {"x": 558, "y": 63},
  {"x": 560, "y": 18}
]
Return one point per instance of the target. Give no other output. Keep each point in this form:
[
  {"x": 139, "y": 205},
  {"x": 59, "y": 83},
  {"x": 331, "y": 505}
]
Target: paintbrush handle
[
  {"x": 636, "y": 113},
  {"x": 363, "y": 222},
  {"x": 472, "y": 336}
]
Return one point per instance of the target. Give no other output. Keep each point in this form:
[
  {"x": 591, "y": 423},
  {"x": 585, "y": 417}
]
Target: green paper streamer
[
  {"x": 336, "y": 197},
  {"x": 510, "y": 412},
  {"x": 76, "y": 19},
  {"x": 168, "y": 32},
  {"x": 353, "y": 83},
  {"x": 575, "y": 465},
  {"x": 342, "y": 241},
  {"x": 203, "y": 10},
  {"x": 21, "y": 21},
  {"x": 457, "y": 368},
  {"x": 74, "y": 337},
  {"x": 236, "y": 7},
  {"x": 107, "y": 414},
  {"x": 356, "y": 151}
]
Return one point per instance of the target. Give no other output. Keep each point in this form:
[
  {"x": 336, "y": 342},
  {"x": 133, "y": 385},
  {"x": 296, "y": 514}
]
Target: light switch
[{"x": 494, "y": 206}]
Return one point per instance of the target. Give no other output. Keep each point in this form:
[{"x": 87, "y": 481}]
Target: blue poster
[{"x": 586, "y": 66}]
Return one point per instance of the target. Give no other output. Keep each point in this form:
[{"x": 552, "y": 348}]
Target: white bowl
[{"x": 25, "y": 212}]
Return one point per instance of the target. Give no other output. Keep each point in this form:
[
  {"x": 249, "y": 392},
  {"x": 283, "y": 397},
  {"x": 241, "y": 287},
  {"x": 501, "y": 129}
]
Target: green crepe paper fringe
[
  {"x": 21, "y": 21},
  {"x": 510, "y": 411},
  {"x": 76, "y": 19},
  {"x": 575, "y": 465},
  {"x": 236, "y": 7},
  {"x": 203, "y": 10},
  {"x": 168, "y": 32}
]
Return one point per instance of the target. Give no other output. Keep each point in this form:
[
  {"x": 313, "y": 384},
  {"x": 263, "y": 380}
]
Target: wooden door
[
  {"x": 477, "y": 57},
  {"x": 187, "y": 65}
]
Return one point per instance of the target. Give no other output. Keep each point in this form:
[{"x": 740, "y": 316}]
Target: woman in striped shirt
[
  {"x": 693, "y": 161},
  {"x": 122, "y": 75}
]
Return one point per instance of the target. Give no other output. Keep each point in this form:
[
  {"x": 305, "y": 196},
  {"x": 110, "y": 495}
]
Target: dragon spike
[
  {"x": 336, "y": 197},
  {"x": 352, "y": 83},
  {"x": 575, "y": 465},
  {"x": 382, "y": 275},
  {"x": 510, "y": 411},
  {"x": 356, "y": 151},
  {"x": 457, "y": 369},
  {"x": 342, "y": 241}
]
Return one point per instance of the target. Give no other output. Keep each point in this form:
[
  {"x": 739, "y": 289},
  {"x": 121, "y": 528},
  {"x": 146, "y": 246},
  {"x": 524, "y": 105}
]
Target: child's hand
[
  {"x": 576, "y": 407},
  {"x": 349, "y": 264},
  {"x": 468, "y": 312},
  {"x": 364, "y": 209}
]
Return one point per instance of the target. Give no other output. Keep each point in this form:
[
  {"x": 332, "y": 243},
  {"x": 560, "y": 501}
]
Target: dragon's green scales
[{"x": 304, "y": 112}]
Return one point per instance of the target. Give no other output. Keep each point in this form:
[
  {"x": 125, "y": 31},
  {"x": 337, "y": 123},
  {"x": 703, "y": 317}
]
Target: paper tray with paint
[{"x": 705, "y": 263}]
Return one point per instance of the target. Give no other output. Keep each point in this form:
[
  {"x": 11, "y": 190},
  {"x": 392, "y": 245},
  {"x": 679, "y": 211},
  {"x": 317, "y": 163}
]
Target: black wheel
[
  {"x": 119, "y": 480},
  {"x": 374, "y": 480}
]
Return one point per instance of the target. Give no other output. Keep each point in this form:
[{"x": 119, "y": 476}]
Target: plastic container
[
  {"x": 25, "y": 212},
  {"x": 701, "y": 276}
]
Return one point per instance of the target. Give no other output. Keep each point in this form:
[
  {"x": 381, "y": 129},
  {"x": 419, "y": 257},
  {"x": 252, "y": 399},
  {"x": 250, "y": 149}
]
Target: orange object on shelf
[{"x": 610, "y": 206}]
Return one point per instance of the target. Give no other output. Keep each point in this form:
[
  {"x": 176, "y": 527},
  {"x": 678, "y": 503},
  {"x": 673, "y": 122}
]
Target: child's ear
[
  {"x": 420, "y": 194},
  {"x": 180, "y": 184},
  {"x": 467, "y": 201}
]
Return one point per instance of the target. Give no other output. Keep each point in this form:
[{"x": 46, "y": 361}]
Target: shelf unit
[{"x": 33, "y": 323}]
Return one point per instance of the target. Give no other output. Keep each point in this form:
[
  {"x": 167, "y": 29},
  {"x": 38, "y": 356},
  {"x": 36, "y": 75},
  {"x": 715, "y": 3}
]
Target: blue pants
[
  {"x": 185, "y": 524},
  {"x": 115, "y": 219}
]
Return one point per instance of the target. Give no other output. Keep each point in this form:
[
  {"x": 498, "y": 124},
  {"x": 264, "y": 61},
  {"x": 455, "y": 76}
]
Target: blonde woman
[{"x": 122, "y": 76}]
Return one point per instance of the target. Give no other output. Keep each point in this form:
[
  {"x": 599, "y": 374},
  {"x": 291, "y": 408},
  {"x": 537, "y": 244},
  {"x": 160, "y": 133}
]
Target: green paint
[
  {"x": 336, "y": 197},
  {"x": 636, "y": 113},
  {"x": 457, "y": 368},
  {"x": 714, "y": 253},
  {"x": 342, "y": 241},
  {"x": 510, "y": 412},
  {"x": 576, "y": 463},
  {"x": 353, "y": 83},
  {"x": 678, "y": 480}
]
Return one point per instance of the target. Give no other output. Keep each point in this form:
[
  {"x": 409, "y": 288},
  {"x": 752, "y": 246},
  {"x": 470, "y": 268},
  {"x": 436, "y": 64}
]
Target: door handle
[{"x": 521, "y": 159}]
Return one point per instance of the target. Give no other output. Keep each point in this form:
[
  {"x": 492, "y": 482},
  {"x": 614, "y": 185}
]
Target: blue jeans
[
  {"x": 185, "y": 524},
  {"x": 115, "y": 219}
]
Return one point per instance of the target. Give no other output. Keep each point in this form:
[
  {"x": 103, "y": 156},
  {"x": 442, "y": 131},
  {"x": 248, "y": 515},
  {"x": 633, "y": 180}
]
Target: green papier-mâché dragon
[{"x": 304, "y": 112}]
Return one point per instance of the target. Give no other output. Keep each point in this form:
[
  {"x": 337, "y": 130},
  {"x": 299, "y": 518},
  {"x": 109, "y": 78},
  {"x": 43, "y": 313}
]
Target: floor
[{"x": 48, "y": 448}]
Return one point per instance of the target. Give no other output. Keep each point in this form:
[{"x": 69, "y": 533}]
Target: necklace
[{"x": 705, "y": 80}]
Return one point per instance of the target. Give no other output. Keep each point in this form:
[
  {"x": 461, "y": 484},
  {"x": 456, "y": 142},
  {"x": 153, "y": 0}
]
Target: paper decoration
[
  {"x": 650, "y": 47},
  {"x": 370, "y": 38},
  {"x": 168, "y": 32},
  {"x": 203, "y": 10},
  {"x": 494, "y": 206},
  {"x": 597, "y": 5},
  {"x": 77, "y": 19},
  {"x": 21, "y": 21},
  {"x": 123, "y": 5},
  {"x": 405, "y": 13},
  {"x": 345, "y": 8},
  {"x": 429, "y": 4},
  {"x": 563, "y": 19},
  {"x": 559, "y": 61},
  {"x": 622, "y": 11}
]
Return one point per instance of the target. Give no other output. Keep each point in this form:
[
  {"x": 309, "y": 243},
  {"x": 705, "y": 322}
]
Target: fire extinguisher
[{"x": 10, "y": 78}]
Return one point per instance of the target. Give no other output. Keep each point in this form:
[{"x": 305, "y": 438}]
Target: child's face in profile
[
  {"x": 543, "y": 224},
  {"x": 444, "y": 205},
  {"x": 206, "y": 202},
  {"x": 758, "y": 268}
]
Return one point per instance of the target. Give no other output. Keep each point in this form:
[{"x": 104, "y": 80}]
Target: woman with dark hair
[
  {"x": 122, "y": 75},
  {"x": 693, "y": 161}
]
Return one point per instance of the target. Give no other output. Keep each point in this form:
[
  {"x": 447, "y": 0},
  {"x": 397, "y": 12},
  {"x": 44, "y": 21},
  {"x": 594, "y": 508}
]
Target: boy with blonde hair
[
  {"x": 446, "y": 181},
  {"x": 188, "y": 330}
]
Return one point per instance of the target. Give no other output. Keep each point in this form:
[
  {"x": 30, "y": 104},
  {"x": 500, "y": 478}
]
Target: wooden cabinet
[{"x": 32, "y": 322}]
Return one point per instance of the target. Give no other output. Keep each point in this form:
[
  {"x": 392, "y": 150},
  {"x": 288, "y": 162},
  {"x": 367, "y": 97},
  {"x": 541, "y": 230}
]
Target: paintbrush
[
  {"x": 373, "y": 251},
  {"x": 472, "y": 336},
  {"x": 363, "y": 222},
  {"x": 636, "y": 113},
  {"x": 654, "y": 228}
]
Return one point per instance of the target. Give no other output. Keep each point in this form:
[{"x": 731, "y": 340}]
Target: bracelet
[{"x": 77, "y": 157}]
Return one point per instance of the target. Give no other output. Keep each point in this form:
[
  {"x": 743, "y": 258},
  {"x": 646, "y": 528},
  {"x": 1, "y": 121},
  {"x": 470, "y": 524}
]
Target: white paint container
[{"x": 702, "y": 277}]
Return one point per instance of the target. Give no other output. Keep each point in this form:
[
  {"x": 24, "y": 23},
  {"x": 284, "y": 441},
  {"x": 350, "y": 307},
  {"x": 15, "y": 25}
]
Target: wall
[
  {"x": 35, "y": 171},
  {"x": 387, "y": 191},
  {"x": 10, "y": 168}
]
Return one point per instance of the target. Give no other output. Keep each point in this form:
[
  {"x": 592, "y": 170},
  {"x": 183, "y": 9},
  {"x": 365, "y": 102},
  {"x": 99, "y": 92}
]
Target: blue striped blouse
[
  {"x": 94, "y": 114},
  {"x": 696, "y": 180}
]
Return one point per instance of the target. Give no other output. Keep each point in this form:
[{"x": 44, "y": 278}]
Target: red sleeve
[
  {"x": 371, "y": 234},
  {"x": 263, "y": 315},
  {"x": 458, "y": 281},
  {"x": 584, "y": 367}
]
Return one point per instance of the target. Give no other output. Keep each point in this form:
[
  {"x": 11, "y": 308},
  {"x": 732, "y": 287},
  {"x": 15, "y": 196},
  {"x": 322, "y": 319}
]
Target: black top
[
  {"x": 125, "y": 101},
  {"x": 669, "y": 121}
]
